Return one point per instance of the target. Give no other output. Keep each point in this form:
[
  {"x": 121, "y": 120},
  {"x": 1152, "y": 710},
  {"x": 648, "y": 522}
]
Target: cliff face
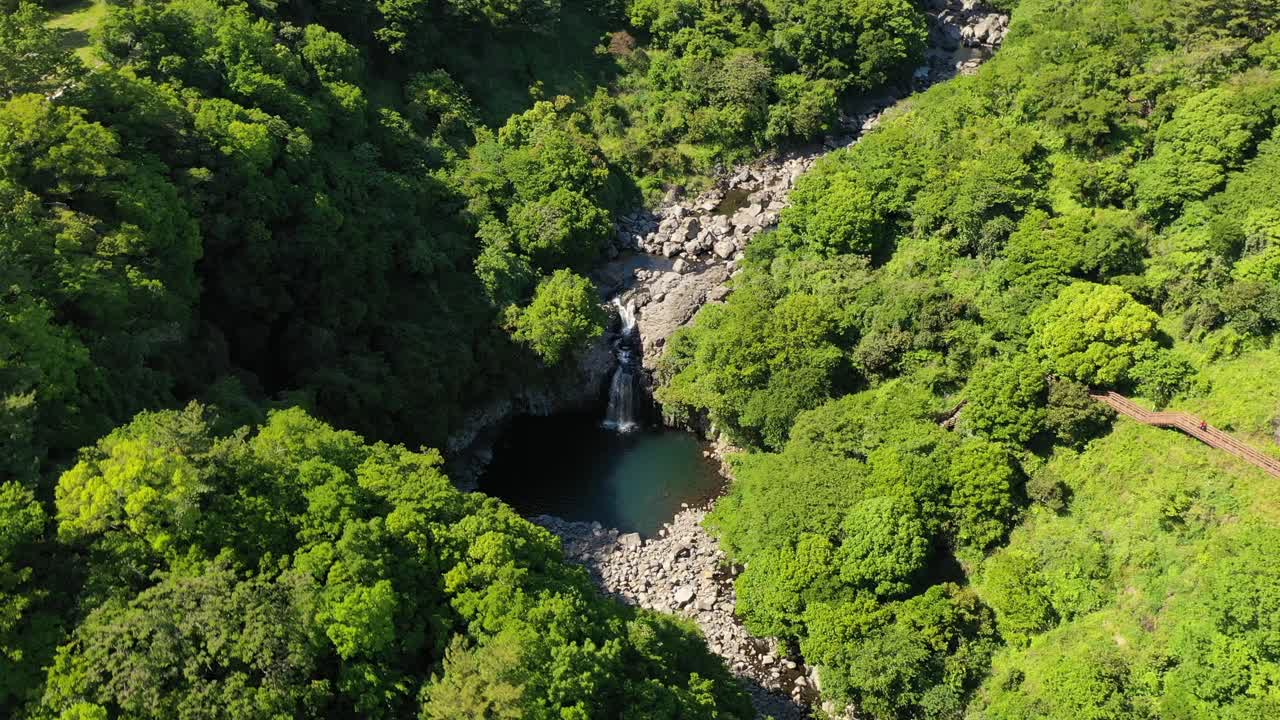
[{"x": 578, "y": 386}]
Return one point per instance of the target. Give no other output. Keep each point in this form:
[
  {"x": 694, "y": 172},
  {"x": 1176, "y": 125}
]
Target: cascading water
[
  {"x": 620, "y": 415},
  {"x": 627, "y": 314}
]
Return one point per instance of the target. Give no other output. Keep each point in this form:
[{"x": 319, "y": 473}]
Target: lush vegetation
[
  {"x": 237, "y": 203},
  {"x": 297, "y": 571},
  {"x": 381, "y": 214},
  {"x": 1095, "y": 208}
]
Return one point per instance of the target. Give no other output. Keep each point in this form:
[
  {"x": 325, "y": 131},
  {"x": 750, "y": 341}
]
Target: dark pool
[
  {"x": 733, "y": 201},
  {"x": 571, "y": 467}
]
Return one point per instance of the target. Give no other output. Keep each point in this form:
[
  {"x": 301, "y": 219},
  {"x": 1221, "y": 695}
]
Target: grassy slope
[
  {"x": 1120, "y": 550},
  {"x": 80, "y": 18},
  {"x": 1239, "y": 395},
  {"x": 1244, "y": 397}
]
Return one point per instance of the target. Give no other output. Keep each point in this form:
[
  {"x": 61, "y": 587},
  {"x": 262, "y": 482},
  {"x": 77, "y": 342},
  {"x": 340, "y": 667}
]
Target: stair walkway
[{"x": 1191, "y": 425}]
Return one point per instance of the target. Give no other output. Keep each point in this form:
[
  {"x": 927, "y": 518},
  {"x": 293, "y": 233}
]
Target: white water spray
[
  {"x": 620, "y": 414},
  {"x": 628, "y": 315}
]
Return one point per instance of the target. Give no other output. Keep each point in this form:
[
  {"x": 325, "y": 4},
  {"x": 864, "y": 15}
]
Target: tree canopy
[
  {"x": 291, "y": 218},
  {"x": 296, "y": 569},
  {"x": 1089, "y": 210}
]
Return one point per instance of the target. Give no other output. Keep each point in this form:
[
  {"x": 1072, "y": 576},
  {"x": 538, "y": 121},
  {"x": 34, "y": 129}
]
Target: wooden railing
[{"x": 1191, "y": 425}]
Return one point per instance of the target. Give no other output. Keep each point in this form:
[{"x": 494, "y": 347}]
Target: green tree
[
  {"x": 758, "y": 362},
  {"x": 1072, "y": 415},
  {"x": 133, "y": 485},
  {"x": 862, "y": 43},
  {"x": 328, "y": 576},
  {"x": 22, "y": 523},
  {"x": 804, "y": 109},
  {"x": 884, "y": 546},
  {"x": 778, "y": 585},
  {"x": 99, "y": 255},
  {"x": 256, "y": 661},
  {"x": 478, "y": 682},
  {"x": 1092, "y": 333},
  {"x": 851, "y": 218},
  {"x": 562, "y": 229},
  {"x": 1208, "y": 136},
  {"x": 916, "y": 658},
  {"x": 564, "y": 316},
  {"x": 1089, "y": 679},
  {"x": 983, "y": 483},
  {"x": 507, "y": 275},
  {"x": 1006, "y": 400},
  {"x": 1162, "y": 376},
  {"x": 1013, "y": 586},
  {"x": 1218, "y": 643},
  {"x": 33, "y": 57}
]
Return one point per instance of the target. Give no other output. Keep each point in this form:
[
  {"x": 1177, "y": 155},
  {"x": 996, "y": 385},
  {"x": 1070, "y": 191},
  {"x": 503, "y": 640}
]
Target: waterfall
[
  {"x": 627, "y": 314},
  {"x": 620, "y": 415}
]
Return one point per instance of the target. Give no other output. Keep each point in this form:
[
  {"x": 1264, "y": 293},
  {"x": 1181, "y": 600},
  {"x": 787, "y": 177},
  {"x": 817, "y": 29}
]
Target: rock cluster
[
  {"x": 957, "y": 24},
  {"x": 716, "y": 225},
  {"x": 702, "y": 241},
  {"x": 684, "y": 572}
]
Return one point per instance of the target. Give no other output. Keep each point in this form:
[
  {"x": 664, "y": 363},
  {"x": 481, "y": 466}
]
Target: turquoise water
[{"x": 571, "y": 467}]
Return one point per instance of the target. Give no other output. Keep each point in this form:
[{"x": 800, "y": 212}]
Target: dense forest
[
  {"x": 1096, "y": 208},
  {"x": 251, "y": 252},
  {"x": 376, "y": 213}
]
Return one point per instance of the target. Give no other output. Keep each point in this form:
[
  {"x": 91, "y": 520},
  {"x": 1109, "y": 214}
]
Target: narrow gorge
[{"x": 667, "y": 264}]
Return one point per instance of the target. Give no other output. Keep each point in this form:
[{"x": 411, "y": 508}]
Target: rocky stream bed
[
  {"x": 682, "y": 571},
  {"x": 670, "y": 261}
]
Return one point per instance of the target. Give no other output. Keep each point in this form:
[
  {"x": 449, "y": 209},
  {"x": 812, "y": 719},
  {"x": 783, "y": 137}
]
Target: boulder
[
  {"x": 725, "y": 249},
  {"x": 721, "y": 226},
  {"x": 631, "y": 541},
  {"x": 990, "y": 29},
  {"x": 682, "y": 595},
  {"x": 680, "y": 266}
]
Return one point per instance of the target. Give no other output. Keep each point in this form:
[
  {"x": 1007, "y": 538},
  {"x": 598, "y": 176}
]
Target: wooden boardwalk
[{"x": 1191, "y": 425}]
